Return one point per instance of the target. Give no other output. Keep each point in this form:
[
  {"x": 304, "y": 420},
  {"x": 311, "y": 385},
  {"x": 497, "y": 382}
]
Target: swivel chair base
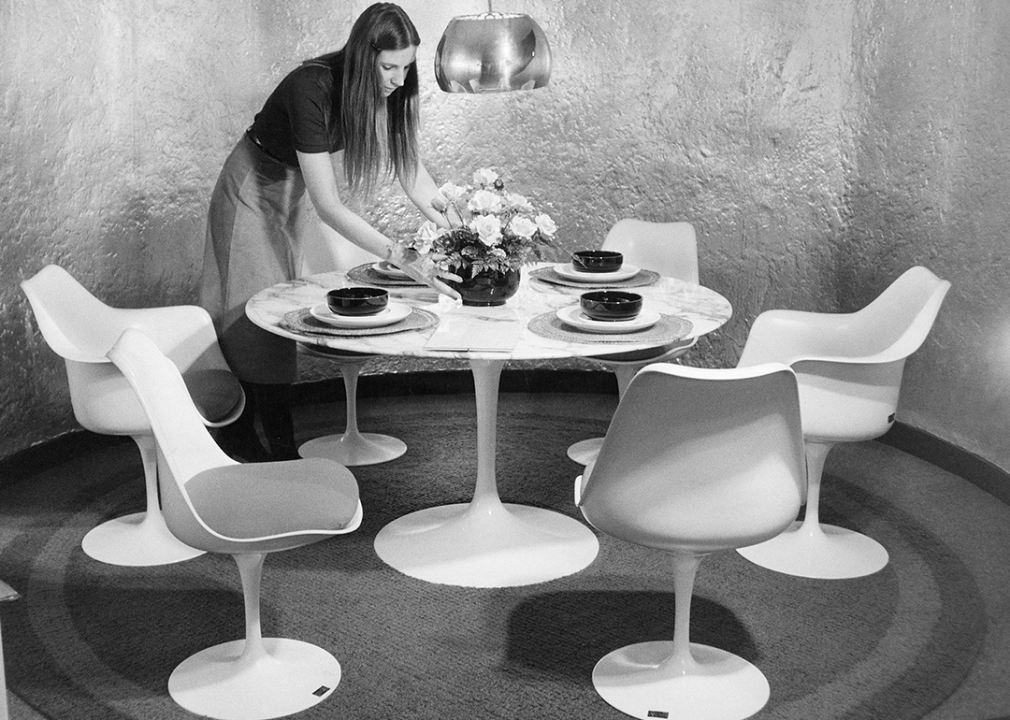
[
  {"x": 138, "y": 540},
  {"x": 354, "y": 448},
  {"x": 823, "y": 552},
  {"x": 291, "y": 676},
  {"x": 717, "y": 686},
  {"x": 585, "y": 451}
]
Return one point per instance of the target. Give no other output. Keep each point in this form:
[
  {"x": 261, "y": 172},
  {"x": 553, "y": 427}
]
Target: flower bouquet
[{"x": 491, "y": 234}]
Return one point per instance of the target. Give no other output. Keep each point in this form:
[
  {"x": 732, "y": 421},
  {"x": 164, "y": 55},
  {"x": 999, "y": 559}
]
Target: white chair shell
[
  {"x": 81, "y": 329},
  {"x": 247, "y": 511},
  {"x": 850, "y": 368},
  {"x": 695, "y": 461}
]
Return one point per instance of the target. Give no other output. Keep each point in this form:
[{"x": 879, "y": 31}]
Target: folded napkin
[{"x": 477, "y": 329}]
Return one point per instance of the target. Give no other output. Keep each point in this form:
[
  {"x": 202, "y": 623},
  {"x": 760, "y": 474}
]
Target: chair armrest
[
  {"x": 790, "y": 336},
  {"x": 185, "y": 333}
]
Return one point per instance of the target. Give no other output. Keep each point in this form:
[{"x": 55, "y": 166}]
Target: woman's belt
[{"x": 252, "y": 136}]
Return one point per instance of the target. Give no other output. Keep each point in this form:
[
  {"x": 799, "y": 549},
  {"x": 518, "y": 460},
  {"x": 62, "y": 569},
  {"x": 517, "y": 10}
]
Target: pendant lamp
[{"x": 492, "y": 52}]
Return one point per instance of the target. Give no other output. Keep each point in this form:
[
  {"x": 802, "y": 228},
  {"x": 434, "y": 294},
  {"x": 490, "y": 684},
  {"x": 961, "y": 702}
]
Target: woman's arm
[
  {"x": 321, "y": 184},
  {"x": 421, "y": 194}
]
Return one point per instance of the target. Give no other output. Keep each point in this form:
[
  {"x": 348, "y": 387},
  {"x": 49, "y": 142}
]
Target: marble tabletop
[{"x": 704, "y": 309}]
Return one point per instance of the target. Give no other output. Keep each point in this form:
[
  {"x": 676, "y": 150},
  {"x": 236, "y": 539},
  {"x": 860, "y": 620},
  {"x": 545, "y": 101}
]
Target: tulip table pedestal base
[{"x": 486, "y": 543}]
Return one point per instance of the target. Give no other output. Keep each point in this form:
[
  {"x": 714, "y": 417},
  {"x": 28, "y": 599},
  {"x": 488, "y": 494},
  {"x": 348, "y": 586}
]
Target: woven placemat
[
  {"x": 550, "y": 275},
  {"x": 669, "y": 329},
  {"x": 369, "y": 275},
  {"x": 301, "y": 321}
]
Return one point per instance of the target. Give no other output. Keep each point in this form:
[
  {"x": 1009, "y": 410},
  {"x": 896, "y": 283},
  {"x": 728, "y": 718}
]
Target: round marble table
[{"x": 486, "y": 543}]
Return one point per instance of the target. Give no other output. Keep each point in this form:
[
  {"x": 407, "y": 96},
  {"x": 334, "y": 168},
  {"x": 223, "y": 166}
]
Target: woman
[{"x": 355, "y": 109}]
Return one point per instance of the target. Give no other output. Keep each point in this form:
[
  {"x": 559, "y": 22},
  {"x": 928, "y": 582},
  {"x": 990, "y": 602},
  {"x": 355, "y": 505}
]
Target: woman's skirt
[{"x": 251, "y": 245}]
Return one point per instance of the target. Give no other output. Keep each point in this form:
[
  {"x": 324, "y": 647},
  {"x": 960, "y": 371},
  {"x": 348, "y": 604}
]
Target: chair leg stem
[
  {"x": 149, "y": 457},
  {"x": 250, "y": 568},
  {"x": 625, "y": 374},
  {"x": 817, "y": 454},
  {"x": 681, "y": 661},
  {"x": 350, "y": 373}
]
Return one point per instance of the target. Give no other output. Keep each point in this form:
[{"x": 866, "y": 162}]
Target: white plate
[
  {"x": 394, "y": 312},
  {"x": 574, "y": 316},
  {"x": 568, "y": 272},
  {"x": 390, "y": 271}
]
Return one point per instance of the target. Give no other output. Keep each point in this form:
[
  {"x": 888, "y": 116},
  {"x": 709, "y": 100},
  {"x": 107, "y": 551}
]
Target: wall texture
[{"x": 820, "y": 147}]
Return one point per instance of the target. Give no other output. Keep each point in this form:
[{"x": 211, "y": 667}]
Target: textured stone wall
[
  {"x": 819, "y": 146},
  {"x": 930, "y": 184}
]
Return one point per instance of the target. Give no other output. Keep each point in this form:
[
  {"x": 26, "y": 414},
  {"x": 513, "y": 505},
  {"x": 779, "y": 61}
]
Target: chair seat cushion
[
  {"x": 216, "y": 393},
  {"x": 260, "y": 500}
]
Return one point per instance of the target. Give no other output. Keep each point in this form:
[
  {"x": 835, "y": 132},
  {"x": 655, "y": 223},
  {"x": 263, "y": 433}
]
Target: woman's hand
[{"x": 421, "y": 268}]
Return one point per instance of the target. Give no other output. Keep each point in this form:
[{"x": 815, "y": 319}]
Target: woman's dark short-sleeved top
[{"x": 303, "y": 111}]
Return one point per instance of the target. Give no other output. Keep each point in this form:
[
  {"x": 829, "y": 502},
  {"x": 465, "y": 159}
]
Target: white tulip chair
[
  {"x": 328, "y": 252},
  {"x": 695, "y": 461},
  {"x": 245, "y": 510},
  {"x": 669, "y": 248},
  {"x": 850, "y": 367},
  {"x": 81, "y": 329}
]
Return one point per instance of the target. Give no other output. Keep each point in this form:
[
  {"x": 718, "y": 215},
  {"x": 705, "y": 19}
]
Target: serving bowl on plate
[
  {"x": 357, "y": 301},
  {"x": 597, "y": 261},
  {"x": 610, "y": 305}
]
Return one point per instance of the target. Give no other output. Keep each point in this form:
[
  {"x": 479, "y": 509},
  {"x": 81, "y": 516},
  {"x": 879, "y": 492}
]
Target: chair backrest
[
  {"x": 896, "y": 323},
  {"x": 669, "y": 248},
  {"x": 888, "y": 329},
  {"x": 700, "y": 459},
  {"x": 325, "y": 250},
  {"x": 75, "y": 324},
  {"x": 178, "y": 426},
  {"x": 850, "y": 365},
  {"x": 81, "y": 329}
]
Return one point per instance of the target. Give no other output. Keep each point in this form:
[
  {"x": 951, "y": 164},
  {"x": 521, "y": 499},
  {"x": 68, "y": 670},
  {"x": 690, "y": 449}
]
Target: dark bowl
[
  {"x": 609, "y": 305},
  {"x": 357, "y": 300},
  {"x": 597, "y": 261}
]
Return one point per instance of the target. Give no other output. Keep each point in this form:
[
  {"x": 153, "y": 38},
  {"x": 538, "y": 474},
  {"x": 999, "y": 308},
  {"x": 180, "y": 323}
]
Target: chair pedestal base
[
  {"x": 823, "y": 552},
  {"x": 585, "y": 451},
  {"x": 354, "y": 449},
  {"x": 138, "y": 540},
  {"x": 486, "y": 545},
  {"x": 721, "y": 686},
  {"x": 292, "y": 676}
]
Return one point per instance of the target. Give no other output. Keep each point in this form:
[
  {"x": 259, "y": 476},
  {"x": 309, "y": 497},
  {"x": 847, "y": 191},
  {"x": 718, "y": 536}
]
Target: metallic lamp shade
[{"x": 492, "y": 52}]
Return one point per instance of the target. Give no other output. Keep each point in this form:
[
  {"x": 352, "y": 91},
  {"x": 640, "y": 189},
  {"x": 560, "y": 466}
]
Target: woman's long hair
[{"x": 383, "y": 26}]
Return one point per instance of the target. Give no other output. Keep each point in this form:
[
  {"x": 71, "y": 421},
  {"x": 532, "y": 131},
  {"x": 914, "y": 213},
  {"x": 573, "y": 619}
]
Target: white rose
[
  {"x": 546, "y": 225},
  {"x": 523, "y": 226},
  {"x": 427, "y": 232},
  {"x": 488, "y": 228},
  {"x": 485, "y": 176},
  {"x": 485, "y": 201},
  {"x": 519, "y": 202},
  {"x": 452, "y": 192}
]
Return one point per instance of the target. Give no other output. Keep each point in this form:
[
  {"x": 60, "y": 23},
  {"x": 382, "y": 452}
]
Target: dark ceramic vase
[{"x": 486, "y": 288}]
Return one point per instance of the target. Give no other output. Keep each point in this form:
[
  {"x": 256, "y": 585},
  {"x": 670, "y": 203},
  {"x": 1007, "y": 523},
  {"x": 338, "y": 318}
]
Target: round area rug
[{"x": 88, "y": 640}]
